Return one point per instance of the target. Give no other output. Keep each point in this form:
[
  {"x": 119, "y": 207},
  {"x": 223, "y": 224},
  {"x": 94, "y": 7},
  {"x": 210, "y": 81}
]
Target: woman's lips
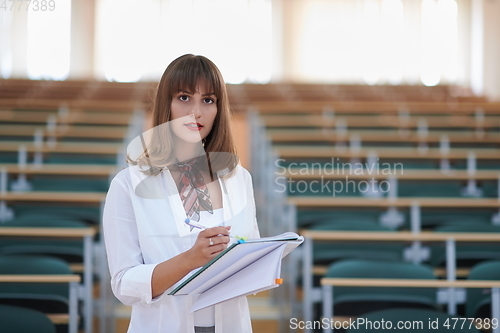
[{"x": 194, "y": 126}]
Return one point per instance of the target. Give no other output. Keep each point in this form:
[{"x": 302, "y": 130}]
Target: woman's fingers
[
  {"x": 218, "y": 240},
  {"x": 210, "y": 250},
  {"x": 216, "y": 231},
  {"x": 216, "y": 249}
]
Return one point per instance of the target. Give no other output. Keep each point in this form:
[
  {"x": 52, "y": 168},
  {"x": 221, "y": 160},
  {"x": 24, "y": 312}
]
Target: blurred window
[
  {"x": 136, "y": 40},
  {"x": 48, "y": 44},
  {"x": 377, "y": 41}
]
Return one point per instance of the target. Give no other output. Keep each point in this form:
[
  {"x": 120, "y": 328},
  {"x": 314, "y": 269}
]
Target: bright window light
[
  {"x": 430, "y": 72},
  {"x": 448, "y": 12},
  {"x": 392, "y": 37},
  {"x": 372, "y": 34},
  {"x": 5, "y": 44},
  {"x": 260, "y": 69},
  {"x": 137, "y": 40},
  {"x": 376, "y": 41},
  {"x": 328, "y": 42},
  {"x": 124, "y": 28},
  {"x": 48, "y": 46},
  {"x": 439, "y": 42}
]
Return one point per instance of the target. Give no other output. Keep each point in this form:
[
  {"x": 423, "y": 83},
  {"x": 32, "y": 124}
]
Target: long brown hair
[{"x": 184, "y": 73}]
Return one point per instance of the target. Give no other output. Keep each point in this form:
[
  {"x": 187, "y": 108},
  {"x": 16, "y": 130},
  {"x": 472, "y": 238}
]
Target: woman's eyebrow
[{"x": 190, "y": 93}]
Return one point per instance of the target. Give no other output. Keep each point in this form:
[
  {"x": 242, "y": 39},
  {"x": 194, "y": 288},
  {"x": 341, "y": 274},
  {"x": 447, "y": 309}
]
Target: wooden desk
[
  {"x": 119, "y": 106},
  {"x": 324, "y": 201},
  {"x": 65, "y": 147},
  {"x": 63, "y": 169},
  {"x": 60, "y": 197},
  {"x": 490, "y": 122},
  {"x": 72, "y": 131},
  {"x": 400, "y": 236},
  {"x": 409, "y": 174},
  {"x": 311, "y": 151},
  {"x": 412, "y": 283},
  {"x": 40, "y": 278},
  {"x": 321, "y": 135},
  {"x": 376, "y": 107},
  {"x": 94, "y": 118}
]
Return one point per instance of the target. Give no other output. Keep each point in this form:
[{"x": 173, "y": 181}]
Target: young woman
[{"x": 179, "y": 205}]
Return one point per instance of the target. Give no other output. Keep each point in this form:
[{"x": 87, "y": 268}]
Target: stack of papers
[{"x": 244, "y": 268}]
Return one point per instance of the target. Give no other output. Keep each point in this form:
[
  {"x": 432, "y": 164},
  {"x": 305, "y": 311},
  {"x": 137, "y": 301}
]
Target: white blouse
[
  {"x": 143, "y": 225},
  {"x": 206, "y": 317}
]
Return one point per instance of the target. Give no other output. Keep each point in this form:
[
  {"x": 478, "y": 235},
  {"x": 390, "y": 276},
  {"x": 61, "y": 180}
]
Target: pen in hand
[{"x": 194, "y": 224}]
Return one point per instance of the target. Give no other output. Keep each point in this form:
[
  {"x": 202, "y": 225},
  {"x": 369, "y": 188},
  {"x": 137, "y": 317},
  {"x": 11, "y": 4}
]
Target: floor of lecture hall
[
  {"x": 264, "y": 317},
  {"x": 258, "y": 326}
]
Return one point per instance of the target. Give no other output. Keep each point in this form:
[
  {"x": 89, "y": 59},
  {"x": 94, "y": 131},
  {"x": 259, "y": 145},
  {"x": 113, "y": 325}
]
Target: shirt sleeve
[
  {"x": 251, "y": 202},
  {"x": 130, "y": 277}
]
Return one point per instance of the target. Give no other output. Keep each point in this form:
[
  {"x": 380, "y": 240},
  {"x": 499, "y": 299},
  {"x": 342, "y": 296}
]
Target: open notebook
[{"x": 244, "y": 268}]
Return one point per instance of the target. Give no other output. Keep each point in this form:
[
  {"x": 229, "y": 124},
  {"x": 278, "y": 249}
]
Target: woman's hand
[
  {"x": 169, "y": 272},
  {"x": 210, "y": 243}
]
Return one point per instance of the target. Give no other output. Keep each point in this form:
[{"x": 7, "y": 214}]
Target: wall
[{"x": 491, "y": 46}]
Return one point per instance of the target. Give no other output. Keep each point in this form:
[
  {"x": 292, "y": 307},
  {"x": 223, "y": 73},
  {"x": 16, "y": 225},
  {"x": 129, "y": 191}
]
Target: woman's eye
[
  {"x": 184, "y": 98},
  {"x": 209, "y": 100}
]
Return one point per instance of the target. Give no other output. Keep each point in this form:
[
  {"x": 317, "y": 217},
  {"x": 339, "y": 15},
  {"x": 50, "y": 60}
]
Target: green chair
[
  {"x": 326, "y": 164},
  {"x": 16, "y": 319},
  {"x": 409, "y": 164},
  {"x": 350, "y": 217},
  {"x": 71, "y": 184},
  {"x": 411, "y": 321},
  {"x": 467, "y": 255},
  {"x": 89, "y": 215},
  {"x": 355, "y": 301},
  {"x": 478, "y": 303},
  {"x": 326, "y": 253},
  {"x": 44, "y": 297},
  {"x": 68, "y": 250},
  {"x": 8, "y": 157},
  {"x": 488, "y": 164},
  {"x": 308, "y": 218},
  {"x": 63, "y": 158},
  {"x": 433, "y": 219},
  {"x": 490, "y": 189},
  {"x": 432, "y": 188},
  {"x": 340, "y": 189}
]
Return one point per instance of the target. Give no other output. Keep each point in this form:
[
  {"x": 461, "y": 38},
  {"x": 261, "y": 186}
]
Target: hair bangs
[{"x": 193, "y": 72}]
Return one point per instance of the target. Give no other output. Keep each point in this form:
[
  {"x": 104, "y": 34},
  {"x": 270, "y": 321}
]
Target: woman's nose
[{"x": 196, "y": 110}]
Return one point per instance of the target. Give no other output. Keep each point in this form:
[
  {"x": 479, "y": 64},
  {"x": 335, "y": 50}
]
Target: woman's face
[{"x": 193, "y": 113}]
